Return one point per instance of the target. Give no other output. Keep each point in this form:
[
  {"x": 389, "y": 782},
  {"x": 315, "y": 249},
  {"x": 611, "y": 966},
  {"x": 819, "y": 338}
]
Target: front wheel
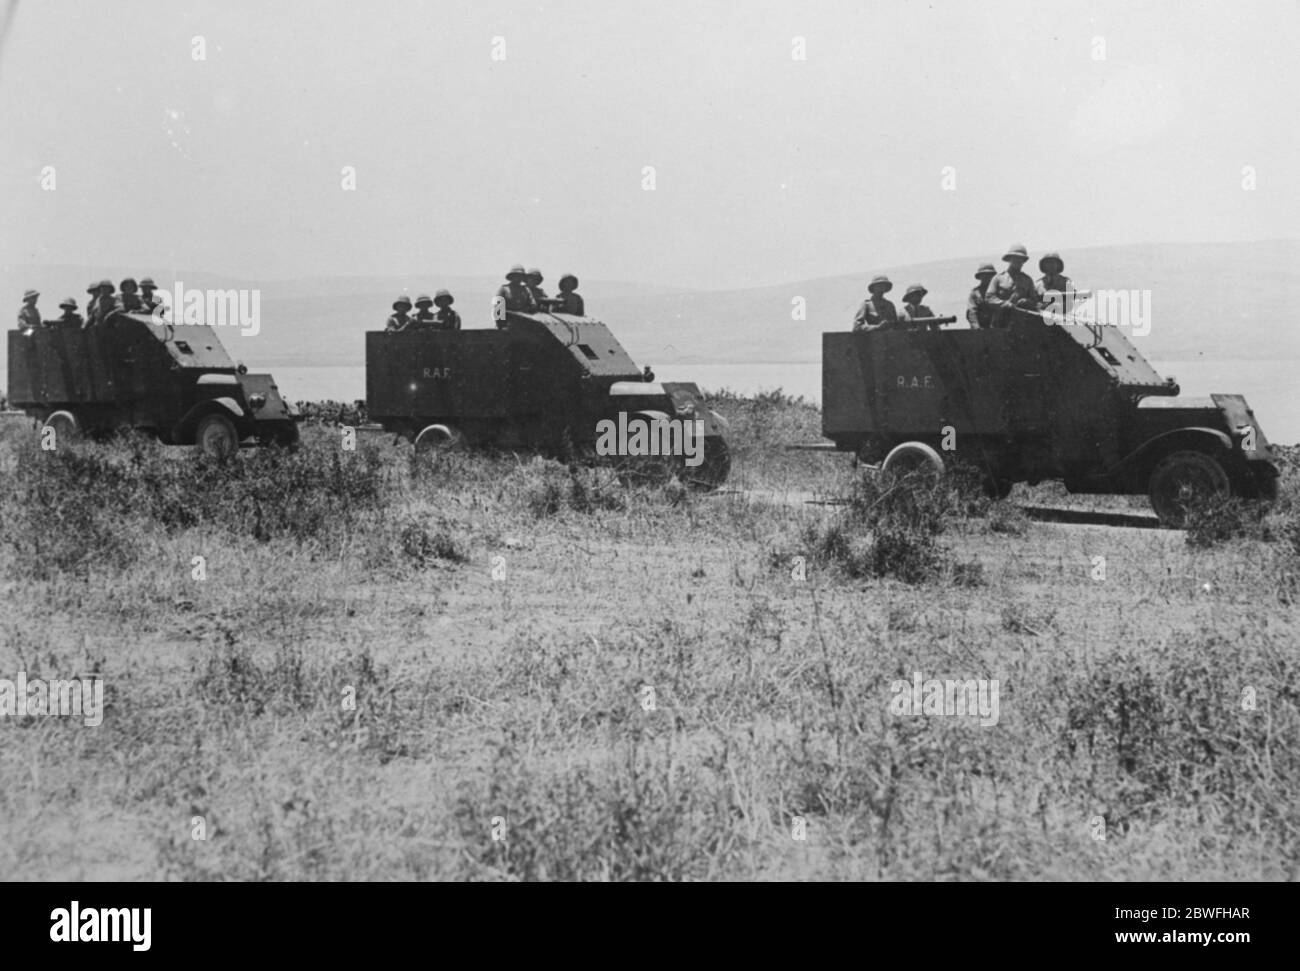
[
  {"x": 216, "y": 437},
  {"x": 1181, "y": 480},
  {"x": 712, "y": 470},
  {"x": 64, "y": 425}
]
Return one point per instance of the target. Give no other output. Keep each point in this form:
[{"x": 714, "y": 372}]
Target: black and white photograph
[{"x": 677, "y": 442}]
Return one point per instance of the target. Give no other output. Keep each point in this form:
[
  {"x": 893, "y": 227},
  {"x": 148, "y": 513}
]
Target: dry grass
[{"x": 500, "y": 619}]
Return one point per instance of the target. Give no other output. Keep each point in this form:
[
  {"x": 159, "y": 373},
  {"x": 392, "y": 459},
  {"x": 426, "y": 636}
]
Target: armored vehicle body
[
  {"x": 546, "y": 382},
  {"x": 1039, "y": 400},
  {"x": 133, "y": 371}
]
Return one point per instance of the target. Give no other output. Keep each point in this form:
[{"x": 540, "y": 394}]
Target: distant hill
[{"x": 1213, "y": 300}]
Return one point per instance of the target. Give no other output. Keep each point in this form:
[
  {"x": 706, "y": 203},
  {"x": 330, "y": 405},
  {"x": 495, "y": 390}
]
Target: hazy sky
[{"x": 767, "y": 168}]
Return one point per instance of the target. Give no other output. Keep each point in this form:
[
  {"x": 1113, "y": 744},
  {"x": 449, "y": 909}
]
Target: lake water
[{"x": 1269, "y": 386}]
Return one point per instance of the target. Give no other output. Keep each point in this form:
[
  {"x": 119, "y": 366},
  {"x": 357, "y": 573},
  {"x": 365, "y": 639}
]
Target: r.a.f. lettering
[{"x": 915, "y": 381}]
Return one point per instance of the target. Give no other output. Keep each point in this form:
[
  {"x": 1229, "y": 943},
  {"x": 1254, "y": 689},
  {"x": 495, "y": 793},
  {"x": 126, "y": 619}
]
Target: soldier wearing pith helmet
[
  {"x": 131, "y": 302},
  {"x": 978, "y": 311},
  {"x": 423, "y": 315},
  {"x": 914, "y": 312},
  {"x": 29, "y": 318},
  {"x": 514, "y": 295},
  {"x": 570, "y": 301},
  {"x": 69, "y": 317},
  {"x": 400, "y": 318},
  {"x": 148, "y": 302},
  {"x": 535, "y": 286},
  {"x": 876, "y": 311},
  {"x": 1012, "y": 288},
  {"x": 105, "y": 303},
  {"x": 445, "y": 318},
  {"x": 1053, "y": 278}
]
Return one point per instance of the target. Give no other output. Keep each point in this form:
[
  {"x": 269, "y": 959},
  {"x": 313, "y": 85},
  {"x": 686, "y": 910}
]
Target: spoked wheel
[
  {"x": 216, "y": 437},
  {"x": 712, "y": 471},
  {"x": 1182, "y": 479},
  {"x": 65, "y": 426},
  {"x": 435, "y": 441},
  {"x": 914, "y": 457}
]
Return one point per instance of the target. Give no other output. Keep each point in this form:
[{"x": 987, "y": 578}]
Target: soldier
[
  {"x": 1012, "y": 288},
  {"x": 535, "y": 286},
  {"x": 148, "y": 302},
  {"x": 105, "y": 303},
  {"x": 978, "y": 310},
  {"x": 514, "y": 295},
  {"x": 400, "y": 318},
  {"x": 423, "y": 316},
  {"x": 876, "y": 311},
  {"x": 29, "y": 318},
  {"x": 914, "y": 312},
  {"x": 130, "y": 302},
  {"x": 445, "y": 318},
  {"x": 93, "y": 300},
  {"x": 1053, "y": 278},
  {"x": 70, "y": 316},
  {"x": 570, "y": 301}
]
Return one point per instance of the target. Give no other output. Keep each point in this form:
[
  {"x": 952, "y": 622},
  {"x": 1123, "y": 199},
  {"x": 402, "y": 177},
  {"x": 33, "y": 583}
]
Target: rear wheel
[
  {"x": 913, "y": 457},
  {"x": 65, "y": 426},
  {"x": 435, "y": 441},
  {"x": 216, "y": 437},
  {"x": 1181, "y": 479}
]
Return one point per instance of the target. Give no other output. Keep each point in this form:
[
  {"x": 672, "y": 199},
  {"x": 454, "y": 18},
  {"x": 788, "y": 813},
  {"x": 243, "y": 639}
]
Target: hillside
[{"x": 1215, "y": 300}]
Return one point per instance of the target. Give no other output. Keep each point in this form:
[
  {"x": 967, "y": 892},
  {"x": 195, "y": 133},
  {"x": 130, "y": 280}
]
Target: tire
[
  {"x": 713, "y": 471},
  {"x": 436, "y": 440},
  {"x": 913, "y": 457},
  {"x": 216, "y": 437},
  {"x": 1182, "y": 478},
  {"x": 65, "y": 425}
]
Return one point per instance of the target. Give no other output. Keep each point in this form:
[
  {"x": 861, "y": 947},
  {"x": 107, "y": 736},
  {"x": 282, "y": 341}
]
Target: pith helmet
[
  {"x": 68, "y": 304},
  {"x": 986, "y": 269},
  {"x": 915, "y": 290},
  {"x": 146, "y": 283},
  {"x": 517, "y": 272},
  {"x": 107, "y": 285},
  {"x": 1051, "y": 258},
  {"x": 535, "y": 276},
  {"x": 423, "y": 300},
  {"x": 883, "y": 282},
  {"x": 129, "y": 284},
  {"x": 443, "y": 298},
  {"x": 568, "y": 282},
  {"x": 401, "y": 302},
  {"x": 31, "y": 295},
  {"x": 1016, "y": 251}
]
